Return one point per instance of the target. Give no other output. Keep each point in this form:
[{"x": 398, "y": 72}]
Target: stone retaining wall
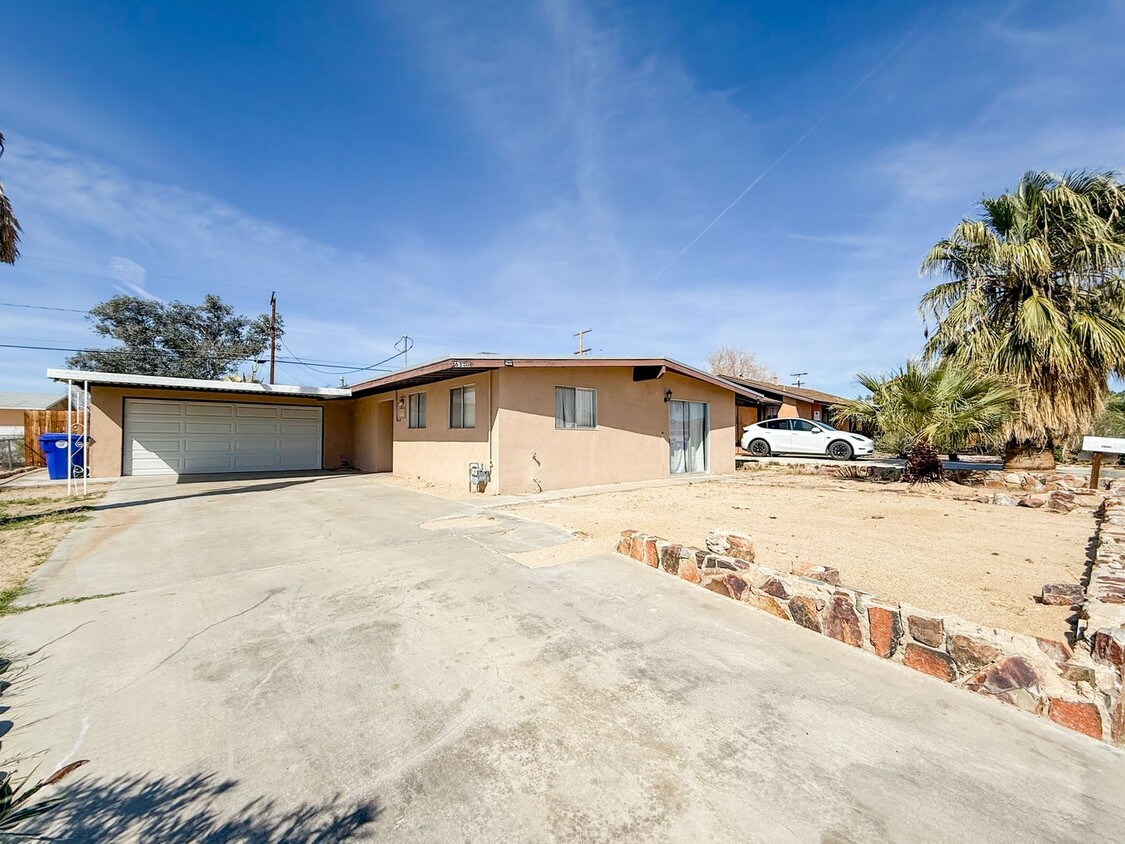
[
  {"x": 1102, "y": 625},
  {"x": 1039, "y": 676}
]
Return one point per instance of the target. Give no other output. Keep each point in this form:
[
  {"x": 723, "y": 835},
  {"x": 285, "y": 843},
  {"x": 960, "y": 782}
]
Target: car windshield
[{"x": 826, "y": 425}]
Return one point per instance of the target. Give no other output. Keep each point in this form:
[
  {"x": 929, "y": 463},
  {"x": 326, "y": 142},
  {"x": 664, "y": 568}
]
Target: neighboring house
[
  {"x": 788, "y": 402},
  {"x": 532, "y": 423},
  {"x": 13, "y": 406}
]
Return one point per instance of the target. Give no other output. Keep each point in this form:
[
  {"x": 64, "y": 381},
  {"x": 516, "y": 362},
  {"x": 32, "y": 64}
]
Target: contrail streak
[{"x": 878, "y": 66}]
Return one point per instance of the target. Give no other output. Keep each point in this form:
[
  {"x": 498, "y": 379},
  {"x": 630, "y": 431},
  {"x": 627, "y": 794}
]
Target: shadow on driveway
[
  {"x": 140, "y": 501},
  {"x": 178, "y": 811}
]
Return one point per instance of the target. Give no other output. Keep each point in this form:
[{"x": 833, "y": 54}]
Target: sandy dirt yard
[
  {"x": 918, "y": 546},
  {"x": 33, "y": 520}
]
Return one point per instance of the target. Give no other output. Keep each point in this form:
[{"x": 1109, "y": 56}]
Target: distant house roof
[
  {"x": 456, "y": 367},
  {"x": 788, "y": 391},
  {"x": 125, "y": 380},
  {"x": 29, "y": 401}
]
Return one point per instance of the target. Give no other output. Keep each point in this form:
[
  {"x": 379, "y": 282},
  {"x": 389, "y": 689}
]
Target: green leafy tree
[
  {"x": 1110, "y": 422},
  {"x": 923, "y": 408},
  {"x": 9, "y": 225},
  {"x": 208, "y": 340},
  {"x": 1035, "y": 296}
]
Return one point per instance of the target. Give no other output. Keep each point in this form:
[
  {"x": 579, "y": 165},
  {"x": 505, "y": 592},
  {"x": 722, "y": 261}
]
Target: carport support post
[
  {"x": 69, "y": 456},
  {"x": 1095, "y": 469},
  {"x": 85, "y": 435}
]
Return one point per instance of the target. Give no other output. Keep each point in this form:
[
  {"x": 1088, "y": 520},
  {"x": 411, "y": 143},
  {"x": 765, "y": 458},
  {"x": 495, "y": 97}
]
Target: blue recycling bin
[{"x": 53, "y": 447}]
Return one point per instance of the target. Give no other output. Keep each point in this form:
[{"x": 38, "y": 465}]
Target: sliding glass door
[{"x": 688, "y": 426}]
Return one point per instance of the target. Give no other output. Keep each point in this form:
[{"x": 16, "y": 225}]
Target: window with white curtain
[
  {"x": 576, "y": 408},
  {"x": 463, "y": 407},
  {"x": 416, "y": 410}
]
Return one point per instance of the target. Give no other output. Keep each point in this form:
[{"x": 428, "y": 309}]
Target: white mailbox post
[{"x": 1099, "y": 446}]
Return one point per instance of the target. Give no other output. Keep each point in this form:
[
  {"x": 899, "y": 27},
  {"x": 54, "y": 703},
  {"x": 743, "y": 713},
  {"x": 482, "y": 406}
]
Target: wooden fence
[{"x": 36, "y": 422}]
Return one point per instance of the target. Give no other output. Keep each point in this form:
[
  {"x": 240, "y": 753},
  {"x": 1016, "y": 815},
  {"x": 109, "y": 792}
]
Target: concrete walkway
[{"x": 298, "y": 660}]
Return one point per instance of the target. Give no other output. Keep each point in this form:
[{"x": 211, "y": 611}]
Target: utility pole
[
  {"x": 581, "y": 335},
  {"x": 273, "y": 333},
  {"x": 404, "y": 345},
  {"x": 798, "y": 376}
]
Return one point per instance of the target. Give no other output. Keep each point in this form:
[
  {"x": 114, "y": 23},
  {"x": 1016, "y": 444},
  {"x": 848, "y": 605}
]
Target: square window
[{"x": 576, "y": 408}]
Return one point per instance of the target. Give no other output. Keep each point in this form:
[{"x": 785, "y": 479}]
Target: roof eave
[{"x": 158, "y": 382}]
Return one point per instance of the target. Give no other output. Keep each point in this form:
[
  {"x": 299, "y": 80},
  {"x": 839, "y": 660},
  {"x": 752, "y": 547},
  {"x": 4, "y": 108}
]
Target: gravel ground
[{"x": 918, "y": 546}]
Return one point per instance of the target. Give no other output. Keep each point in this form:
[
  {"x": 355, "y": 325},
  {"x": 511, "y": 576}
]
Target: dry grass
[
  {"x": 919, "y": 546},
  {"x": 32, "y": 522}
]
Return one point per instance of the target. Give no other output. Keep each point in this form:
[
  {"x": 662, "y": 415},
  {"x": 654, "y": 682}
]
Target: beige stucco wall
[
  {"x": 372, "y": 425},
  {"x": 8, "y": 416},
  {"x": 629, "y": 444},
  {"x": 746, "y": 416},
  {"x": 437, "y": 452},
  {"x": 107, "y": 408}
]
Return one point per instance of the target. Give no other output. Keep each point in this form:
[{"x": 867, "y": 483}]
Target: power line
[
  {"x": 291, "y": 295},
  {"x": 190, "y": 349},
  {"x": 373, "y": 367},
  {"x": 143, "y": 350},
  {"x": 42, "y": 308},
  {"x": 211, "y": 286}
]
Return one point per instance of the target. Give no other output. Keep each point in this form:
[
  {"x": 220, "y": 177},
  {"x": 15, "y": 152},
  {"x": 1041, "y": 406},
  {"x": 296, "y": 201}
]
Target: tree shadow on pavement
[{"x": 199, "y": 808}]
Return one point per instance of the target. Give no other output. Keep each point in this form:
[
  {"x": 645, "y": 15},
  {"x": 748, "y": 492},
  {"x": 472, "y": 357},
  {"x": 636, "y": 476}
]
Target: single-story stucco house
[
  {"x": 525, "y": 424},
  {"x": 13, "y": 406},
  {"x": 785, "y": 401}
]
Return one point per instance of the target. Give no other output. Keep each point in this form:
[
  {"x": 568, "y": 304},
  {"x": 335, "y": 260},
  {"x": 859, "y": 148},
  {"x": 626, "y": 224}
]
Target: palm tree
[
  {"x": 1034, "y": 296},
  {"x": 924, "y": 407},
  {"x": 9, "y": 225}
]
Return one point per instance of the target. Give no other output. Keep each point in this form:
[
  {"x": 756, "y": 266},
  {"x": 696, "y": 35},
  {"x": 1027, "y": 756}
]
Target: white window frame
[
  {"x": 460, "y": 424},
  {"x": 561, "y": 424},
  {"x": 416, "y": 411}
]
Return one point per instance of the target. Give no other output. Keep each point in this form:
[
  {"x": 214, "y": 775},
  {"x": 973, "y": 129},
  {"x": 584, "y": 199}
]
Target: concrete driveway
[{"x": 299, "y": 660}]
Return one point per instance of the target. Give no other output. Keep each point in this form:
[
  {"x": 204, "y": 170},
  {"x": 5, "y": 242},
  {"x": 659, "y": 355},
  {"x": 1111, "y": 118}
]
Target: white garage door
[{"x": 195, "y": 437}]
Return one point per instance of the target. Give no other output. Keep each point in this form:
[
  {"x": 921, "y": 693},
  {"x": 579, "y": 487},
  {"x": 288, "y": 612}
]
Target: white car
[{"x": 801, "y": 436}]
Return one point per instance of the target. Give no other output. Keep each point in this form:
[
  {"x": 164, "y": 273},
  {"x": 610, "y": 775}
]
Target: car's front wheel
[
  {"x": 759, "y": 448},
  {"x": 840, "y": 450}
]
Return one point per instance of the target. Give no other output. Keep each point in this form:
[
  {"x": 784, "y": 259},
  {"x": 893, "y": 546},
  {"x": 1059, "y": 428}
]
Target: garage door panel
[
  {"x": 200, "y": 464},
  {"x": 159, "y": 426},
  {"x": 155, "y": 464},
  {"x": 300, "y": 429},
  {"x": 208, "y": 409},
  {"x": 202, "y": 447},
  {"x": 248, "y": 411},
  {"x": 292, "y": 461},
  {"x": 312, "y": 414},
  {"x": 157, "y": 408},
  {"x": 297, "y": 445},
  {"x": 183, "y": 437},
  {"x": 223, "y": 428},
  {"x": 243, "y": 427},
  {"x": 256, "y": 444}
]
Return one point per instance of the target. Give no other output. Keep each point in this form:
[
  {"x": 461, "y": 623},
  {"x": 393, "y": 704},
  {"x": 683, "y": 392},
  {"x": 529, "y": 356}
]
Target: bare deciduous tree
[{"x": 739, "y": 363}]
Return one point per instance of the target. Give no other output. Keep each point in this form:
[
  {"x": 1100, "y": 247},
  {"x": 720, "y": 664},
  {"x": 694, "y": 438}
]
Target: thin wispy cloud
[{"x": 542, "y": 162}]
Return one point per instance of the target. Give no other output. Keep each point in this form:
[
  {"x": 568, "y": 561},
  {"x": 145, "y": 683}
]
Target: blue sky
[{"x": 496, "y": 176}]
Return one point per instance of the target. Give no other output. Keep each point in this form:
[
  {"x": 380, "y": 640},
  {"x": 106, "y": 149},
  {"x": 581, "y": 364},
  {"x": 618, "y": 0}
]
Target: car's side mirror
[{"x": 816, "y": 430}]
